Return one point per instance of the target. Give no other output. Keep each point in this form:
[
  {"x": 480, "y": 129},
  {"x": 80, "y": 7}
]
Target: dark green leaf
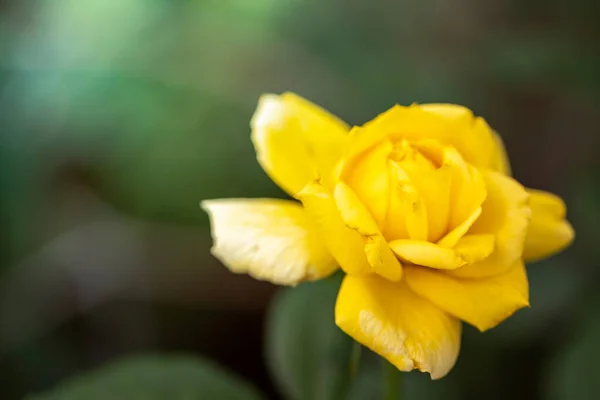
[
  {"x": 154, "y": 378},
  {"x": 308, "y": 355}
]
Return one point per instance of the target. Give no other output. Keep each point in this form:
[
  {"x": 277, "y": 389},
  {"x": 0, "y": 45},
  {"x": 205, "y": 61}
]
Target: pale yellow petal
[
  {"x": 345, "y": 244},
  {"x": 407, "y": 330},
  {"x": 468, "y": 250},
  {"x": 296, "y": 141},
  {"x": 357, "y": 217},
  {"x": 549, "y": 232},
  {"x": 272, "y": 240},
  {"x": 505, "y": 214},
  {"x": 483, "y": 302}
]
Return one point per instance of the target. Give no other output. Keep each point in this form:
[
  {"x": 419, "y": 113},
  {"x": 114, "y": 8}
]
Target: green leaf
[
  {"x": 573, "y": 373},
  {"x": 153, "y": 378},
  {"x": 308, "y": 355}
]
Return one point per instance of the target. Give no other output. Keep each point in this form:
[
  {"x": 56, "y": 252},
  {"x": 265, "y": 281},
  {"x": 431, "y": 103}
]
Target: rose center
[{"x": 410, "y": 158}]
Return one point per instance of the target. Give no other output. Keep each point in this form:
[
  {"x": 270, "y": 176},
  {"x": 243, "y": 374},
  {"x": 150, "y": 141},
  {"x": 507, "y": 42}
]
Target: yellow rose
[{"x": 416, "y": 206}]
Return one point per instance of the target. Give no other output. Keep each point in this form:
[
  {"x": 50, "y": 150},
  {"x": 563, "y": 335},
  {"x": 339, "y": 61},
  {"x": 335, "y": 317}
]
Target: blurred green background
[{"x": 118, "y": 117}]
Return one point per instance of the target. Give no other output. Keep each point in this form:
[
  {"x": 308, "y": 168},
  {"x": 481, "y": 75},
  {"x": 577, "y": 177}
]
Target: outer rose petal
[
  {"x": 506, "y": 214},
  {"x": 483, "y": 302},
  {"x": 473, "y": 137},
  {"x": 407, "y": 330},
  {"x": 345, "y": 244},
  {"x": 501, "y": 163},
  {"x": 296, "y": 141},
  {"x": 357, "y": 217},
  {"x": 272, "y": 240},
  {"x": 548, "y": 231}
]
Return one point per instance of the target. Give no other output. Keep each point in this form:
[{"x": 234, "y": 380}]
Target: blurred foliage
[
  {"x": 572, "y": 373},
  {"x": 158, "y": 377},
  {"x": 132, "y": 112}
]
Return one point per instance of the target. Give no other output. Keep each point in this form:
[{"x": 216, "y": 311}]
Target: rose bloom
[{"x": 417, "y": 207}]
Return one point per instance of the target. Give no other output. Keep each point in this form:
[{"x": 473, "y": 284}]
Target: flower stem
[
  {"x": 355, "y": 359},
  {"x": 393, "y": 382}
]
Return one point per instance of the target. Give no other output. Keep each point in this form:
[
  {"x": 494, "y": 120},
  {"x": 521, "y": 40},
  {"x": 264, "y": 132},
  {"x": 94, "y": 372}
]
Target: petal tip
[
  {"x": 206, "y": 205},
  {"x": 486, "y": 326}
]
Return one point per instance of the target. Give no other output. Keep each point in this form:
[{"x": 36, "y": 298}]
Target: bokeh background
[{"x": 118, "y": 117}]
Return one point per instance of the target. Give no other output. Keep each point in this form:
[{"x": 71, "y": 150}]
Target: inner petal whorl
[{"x": 414, "y": 189}]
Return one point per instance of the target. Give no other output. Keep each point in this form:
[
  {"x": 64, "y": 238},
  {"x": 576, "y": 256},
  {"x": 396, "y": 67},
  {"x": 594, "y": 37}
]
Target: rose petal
[
  {"x": 296, "y": 141},
  {"x": 407, "y": 330},
  {"x": 272, "y": 240}
]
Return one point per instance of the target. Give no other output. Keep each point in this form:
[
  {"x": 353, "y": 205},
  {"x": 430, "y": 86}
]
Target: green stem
[
  {"x": 393, "y": 382},
  {"x": 355, "y": 359}
]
